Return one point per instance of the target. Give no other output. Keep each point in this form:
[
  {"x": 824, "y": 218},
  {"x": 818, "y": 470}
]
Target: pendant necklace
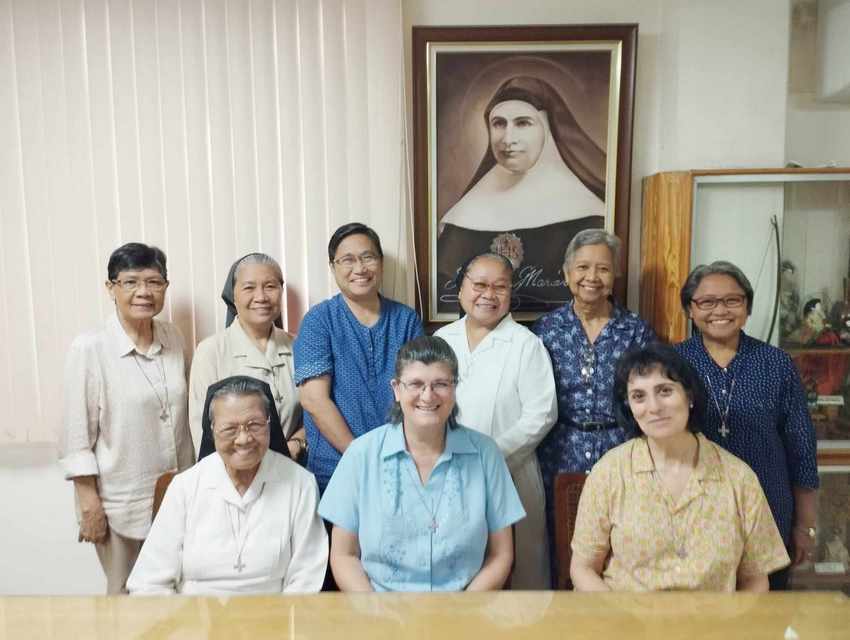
[
  {"x": 419, "y": 491},
  {"x": 239, "y": 540},
  {"x": 162, "y": 404},
  {"x": 724, "y": 414}
]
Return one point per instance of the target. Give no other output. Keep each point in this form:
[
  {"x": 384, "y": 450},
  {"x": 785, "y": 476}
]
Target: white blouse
[
  {"x": 125, "y": 418},
  {"x": 506, "y": 388},
  {"x": 207, "y": 539}
]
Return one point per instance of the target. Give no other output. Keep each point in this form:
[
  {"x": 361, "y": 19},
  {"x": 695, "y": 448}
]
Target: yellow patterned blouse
[{"x": 720, "y": 526}]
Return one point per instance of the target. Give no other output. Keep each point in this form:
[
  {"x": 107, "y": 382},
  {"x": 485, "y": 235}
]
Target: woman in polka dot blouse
[{"x": 756, "y": 403}]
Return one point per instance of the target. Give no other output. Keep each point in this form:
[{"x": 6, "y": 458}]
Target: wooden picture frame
[{"x": 549, "y": 111}]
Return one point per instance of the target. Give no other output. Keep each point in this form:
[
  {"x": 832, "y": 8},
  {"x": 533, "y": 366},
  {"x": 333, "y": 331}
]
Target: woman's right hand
[{"x": 93, "y": 524}]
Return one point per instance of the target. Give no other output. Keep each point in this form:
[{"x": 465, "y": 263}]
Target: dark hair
[
  {"x": 351, "y": 229},
  {"x": 241, "y": 386},
  {"x": 135, "y": 255},
  {"x": 664, "y": 359},
  {"x": 427, "y": 350},
  {"x": 721, "y": 268},
  {"x": 461, "y": 272}
]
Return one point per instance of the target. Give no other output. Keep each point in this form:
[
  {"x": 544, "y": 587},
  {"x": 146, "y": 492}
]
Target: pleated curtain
[{"x": 210, "y": 128}]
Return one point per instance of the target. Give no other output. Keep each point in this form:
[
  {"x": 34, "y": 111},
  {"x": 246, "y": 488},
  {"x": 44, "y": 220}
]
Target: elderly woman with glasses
[
  {"x": 506, "y": 391},
  {"x": 125, "y": 420},
  {"x": 252, "y": 344},
  {"x": 422, "y": 503},
  {"x": 242, "y": 520},
  {"x": 757, "y": 406},
  {"x": 345, "y": 350},
  {"x": 585, "y": 338}
]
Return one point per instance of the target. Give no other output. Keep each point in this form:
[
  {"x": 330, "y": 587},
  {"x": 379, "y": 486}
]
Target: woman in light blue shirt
[{"x": 422, "y": 503}]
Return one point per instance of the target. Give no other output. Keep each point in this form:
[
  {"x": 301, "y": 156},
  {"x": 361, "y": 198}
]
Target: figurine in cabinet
[
  {"x": 836, "y": 550},
  {"x": 789, "y": 299}
]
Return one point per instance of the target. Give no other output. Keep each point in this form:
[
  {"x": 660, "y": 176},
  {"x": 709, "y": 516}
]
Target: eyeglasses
[
  {"x": 438, "y": 387},
  {"x": 152, "y": 284},
  {"x": 498, "y": 290},
  {"x": 254, "y": 428},
  {"x": 366, "y": 259},
  {"x": 730, "y": 302}
]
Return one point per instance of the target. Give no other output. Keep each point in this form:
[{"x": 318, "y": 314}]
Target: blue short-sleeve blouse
[{"x": 414, "y": 537}]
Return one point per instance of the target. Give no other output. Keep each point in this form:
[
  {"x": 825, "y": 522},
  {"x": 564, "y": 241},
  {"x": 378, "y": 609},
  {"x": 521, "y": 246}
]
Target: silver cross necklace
[
  {"x": 419, "y": 491},
  {"x": 724, "y": 414}
]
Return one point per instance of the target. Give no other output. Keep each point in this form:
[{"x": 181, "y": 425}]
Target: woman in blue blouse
[
  {"x": 421, "y": 503},
  {"x": 345, "y": 350},
  {"x": 585, "y": 338},
  {"x": 756, "y": 406}
]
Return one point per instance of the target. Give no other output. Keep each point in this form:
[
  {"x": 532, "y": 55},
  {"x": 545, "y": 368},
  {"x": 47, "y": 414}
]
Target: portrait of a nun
[{"x": 540, "y": 181}]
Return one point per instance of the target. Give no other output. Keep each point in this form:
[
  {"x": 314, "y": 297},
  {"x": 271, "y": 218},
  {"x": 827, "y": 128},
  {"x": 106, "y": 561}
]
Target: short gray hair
[
  {"x": 716, "y": 268},
  {"x": 427, "y": 350},
  {"x": 589, "y": 237},
  {"x": 256, "y": 258},
  {"x": 241, "y": 386}
]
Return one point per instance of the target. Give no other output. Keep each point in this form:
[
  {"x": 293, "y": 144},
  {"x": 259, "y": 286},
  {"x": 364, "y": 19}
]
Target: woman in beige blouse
[
  {"x": 252, "y": 345},
  {"x": 125, "y": 421},
  {"x": 669, "y": 509}
]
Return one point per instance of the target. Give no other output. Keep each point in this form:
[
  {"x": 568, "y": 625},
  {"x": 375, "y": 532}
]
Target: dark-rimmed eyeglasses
[{"x": 710, "y": 302}]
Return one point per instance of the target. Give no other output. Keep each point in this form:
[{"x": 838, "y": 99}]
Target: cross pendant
[
  {"x": 724, "y": 430},
  {"x": 239, "y": 565}
]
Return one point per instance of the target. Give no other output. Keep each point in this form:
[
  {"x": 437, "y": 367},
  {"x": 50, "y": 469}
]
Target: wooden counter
[{"x": 517, "y": 615}]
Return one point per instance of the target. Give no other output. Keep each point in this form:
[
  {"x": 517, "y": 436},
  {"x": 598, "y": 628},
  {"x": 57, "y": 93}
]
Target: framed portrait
[{"x": 522, "y": 138}]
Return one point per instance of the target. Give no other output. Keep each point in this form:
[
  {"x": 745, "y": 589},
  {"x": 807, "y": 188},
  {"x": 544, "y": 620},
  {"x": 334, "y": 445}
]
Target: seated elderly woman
[
  {"x": 669, "y": 509},
  {"x": 242, "y": 520},
  {"x": 422, "y": 503}
]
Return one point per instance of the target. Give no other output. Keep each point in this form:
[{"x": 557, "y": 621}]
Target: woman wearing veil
[
  {"x": 541, "y": 180},
  {"x": 252, "y": 344}
]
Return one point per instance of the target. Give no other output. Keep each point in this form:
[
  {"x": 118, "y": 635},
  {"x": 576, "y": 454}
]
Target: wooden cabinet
[{"x": 789, "y": 231}]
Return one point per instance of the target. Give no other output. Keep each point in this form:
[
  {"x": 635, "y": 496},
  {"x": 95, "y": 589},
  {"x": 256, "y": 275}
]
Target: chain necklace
[
  {"x": 723, "y": 413},
  {"x": 240, "y": 539},
  {"x": 419, "y": 491},
  {"x": 163, "y": 404}
]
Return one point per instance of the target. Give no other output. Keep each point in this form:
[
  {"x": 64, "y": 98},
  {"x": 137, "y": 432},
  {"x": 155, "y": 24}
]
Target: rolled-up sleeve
[{"x": 80, "y": 427}]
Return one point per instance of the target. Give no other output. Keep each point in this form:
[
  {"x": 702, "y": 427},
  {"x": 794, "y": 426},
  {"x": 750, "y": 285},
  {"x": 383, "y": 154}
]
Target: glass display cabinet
[{"x": 789, "y": 231}]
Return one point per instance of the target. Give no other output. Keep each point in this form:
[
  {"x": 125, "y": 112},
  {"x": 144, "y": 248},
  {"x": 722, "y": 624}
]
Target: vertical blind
[{"x": 210, "y": 128}]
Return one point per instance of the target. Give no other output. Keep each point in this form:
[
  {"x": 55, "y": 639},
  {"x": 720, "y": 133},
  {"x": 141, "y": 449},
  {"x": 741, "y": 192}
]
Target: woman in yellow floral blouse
[{"x": 669, "y": 509}]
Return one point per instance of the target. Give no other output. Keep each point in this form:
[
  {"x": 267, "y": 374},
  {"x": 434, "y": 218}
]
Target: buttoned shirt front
[
  {"x": 360, "y": 361},
  {"x": 208, "y": 539},
  {"x": 230, "y": 353},
  {"x": 125, "y": 418},
  {"x": 584, "y": 398},
  {"x": 416, "y": 537},
  {"x": 769, "y": 426},
  {"x": 507, "y": 391},
  {"x": 720, "y": 527}
]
